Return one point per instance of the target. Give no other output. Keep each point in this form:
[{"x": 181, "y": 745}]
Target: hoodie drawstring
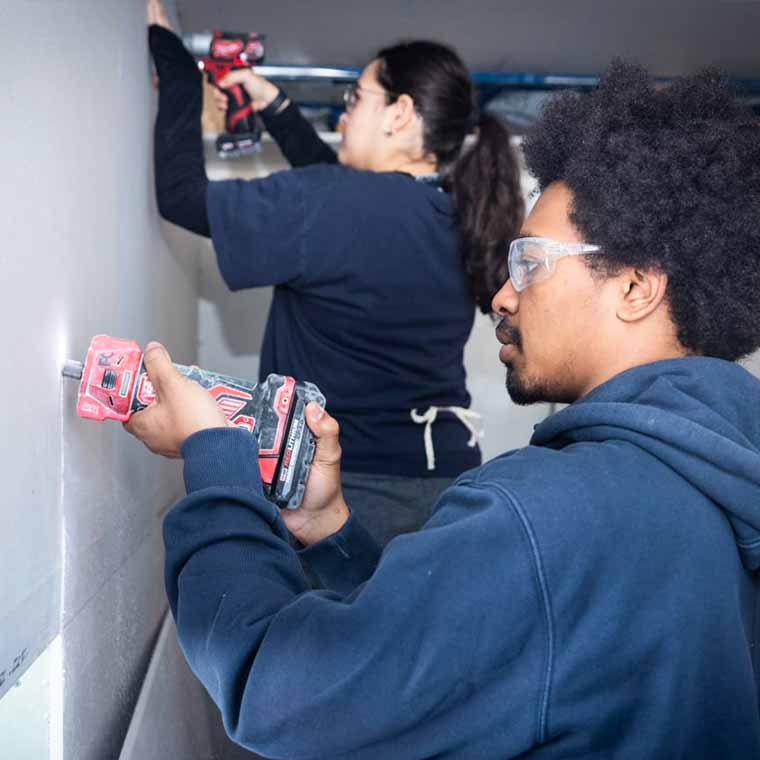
[{"x": 429, "y": 417}]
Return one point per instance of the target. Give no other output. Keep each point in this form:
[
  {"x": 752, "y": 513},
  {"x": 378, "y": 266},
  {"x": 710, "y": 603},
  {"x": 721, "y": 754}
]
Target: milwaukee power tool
[
  {"x": 114, "y": 384},
  {"x": 218, "y": 53}
]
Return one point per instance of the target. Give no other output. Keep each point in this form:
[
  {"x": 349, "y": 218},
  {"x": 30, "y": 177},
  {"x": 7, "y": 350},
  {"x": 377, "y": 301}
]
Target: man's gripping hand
[
  {"x": 180, "y": 409},
  {"x": 323, "y": 510}
]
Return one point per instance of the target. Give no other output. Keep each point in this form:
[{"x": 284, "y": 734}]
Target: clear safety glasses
[{"x": 533, "y": 259}]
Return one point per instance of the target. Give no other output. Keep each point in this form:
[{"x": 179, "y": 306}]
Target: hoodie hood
[{"x": 699, "y": 416}]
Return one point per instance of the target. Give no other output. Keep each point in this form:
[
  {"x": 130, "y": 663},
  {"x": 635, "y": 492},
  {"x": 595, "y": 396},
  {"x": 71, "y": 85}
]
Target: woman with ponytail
[{"x": 378, "y": 255}]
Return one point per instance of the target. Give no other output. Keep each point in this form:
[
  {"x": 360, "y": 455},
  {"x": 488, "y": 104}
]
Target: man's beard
[
  {"x": 520, "y": 389},
  {"x": 521, "y": 392}
]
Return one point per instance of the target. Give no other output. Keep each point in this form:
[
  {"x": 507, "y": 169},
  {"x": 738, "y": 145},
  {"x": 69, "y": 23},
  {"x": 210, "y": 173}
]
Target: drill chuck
[{"x": 198, "y": 44}]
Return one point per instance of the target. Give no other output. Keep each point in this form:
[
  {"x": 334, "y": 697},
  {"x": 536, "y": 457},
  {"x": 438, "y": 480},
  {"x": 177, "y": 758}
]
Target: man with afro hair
[{"x": 592, "y": 595}]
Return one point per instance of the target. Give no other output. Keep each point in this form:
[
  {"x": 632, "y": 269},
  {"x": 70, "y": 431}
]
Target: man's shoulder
[
  {"x": 529, "y": 462},
  {"x": 536, "y": 475}
]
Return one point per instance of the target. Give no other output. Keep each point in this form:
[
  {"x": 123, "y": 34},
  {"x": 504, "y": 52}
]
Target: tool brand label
[
  {"x": 146, "y": 393},
  {"x": 221, "y": 48},
  {"x": 291, "y": 448}
]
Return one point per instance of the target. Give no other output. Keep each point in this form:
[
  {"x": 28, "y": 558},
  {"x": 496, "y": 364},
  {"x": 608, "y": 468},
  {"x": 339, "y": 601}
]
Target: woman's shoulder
[{"x": 359, "y": 186}]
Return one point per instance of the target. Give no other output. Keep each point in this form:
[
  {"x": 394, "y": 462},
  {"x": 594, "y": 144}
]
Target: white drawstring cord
[{"x": 430, "y": 416}]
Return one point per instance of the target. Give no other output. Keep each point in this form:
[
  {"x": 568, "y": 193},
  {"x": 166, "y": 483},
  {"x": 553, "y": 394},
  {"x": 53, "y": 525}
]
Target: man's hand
[
  {"x": 323, "y": 510},
  {"x": 261, "y": 91},
  {"x": 157, "y": 14},
  {"x": 181, "y": 408}
]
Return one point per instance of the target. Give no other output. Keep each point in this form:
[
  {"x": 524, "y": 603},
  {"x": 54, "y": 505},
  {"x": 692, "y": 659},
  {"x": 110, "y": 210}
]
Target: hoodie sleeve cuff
[
  {"x": 345, "y": 559},
  {"x": 221, "y": 457}
]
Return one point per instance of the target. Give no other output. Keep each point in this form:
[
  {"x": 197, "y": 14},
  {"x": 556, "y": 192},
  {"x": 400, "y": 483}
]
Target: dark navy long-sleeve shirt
[{"x": 371, "y": 300}]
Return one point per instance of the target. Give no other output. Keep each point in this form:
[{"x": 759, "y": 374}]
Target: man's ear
[{"x": 641, "y": 292}]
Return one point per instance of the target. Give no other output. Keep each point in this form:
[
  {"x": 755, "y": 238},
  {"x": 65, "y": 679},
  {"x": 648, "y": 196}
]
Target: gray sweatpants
[{"x": 387, "y": 505}]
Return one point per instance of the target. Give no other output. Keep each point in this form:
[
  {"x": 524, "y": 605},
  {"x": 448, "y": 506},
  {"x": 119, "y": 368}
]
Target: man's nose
[{"x": 506, "y": 301}]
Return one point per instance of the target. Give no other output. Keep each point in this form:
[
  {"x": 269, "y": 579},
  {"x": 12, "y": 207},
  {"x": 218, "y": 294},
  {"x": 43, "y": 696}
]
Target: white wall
[
  {"x": 83, "y": 252},
  {"x": 752, "y": 363}
]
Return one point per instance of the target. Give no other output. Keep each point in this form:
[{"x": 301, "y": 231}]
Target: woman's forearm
[
  {"x": 297, "y": 138},
  {"x": 180, "y": 173}
]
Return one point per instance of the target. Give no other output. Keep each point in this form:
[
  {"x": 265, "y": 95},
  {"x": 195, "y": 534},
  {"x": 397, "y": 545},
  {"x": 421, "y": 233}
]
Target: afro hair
[{"x": 666, "y": 178}]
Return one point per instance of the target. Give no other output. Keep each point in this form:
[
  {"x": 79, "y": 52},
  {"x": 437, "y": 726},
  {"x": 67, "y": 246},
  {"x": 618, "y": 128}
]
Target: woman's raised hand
[
  {"x": 261, "y": 91},
  {"x": 157, "y": 14}
]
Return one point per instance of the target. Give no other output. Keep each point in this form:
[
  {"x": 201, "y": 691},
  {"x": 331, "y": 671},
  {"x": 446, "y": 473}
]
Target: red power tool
[
  {"x": 218, "y": 53},
  {"x": 114, "y": 384}
]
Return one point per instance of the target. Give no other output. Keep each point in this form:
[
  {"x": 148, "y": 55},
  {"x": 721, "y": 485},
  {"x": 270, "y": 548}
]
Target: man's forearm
[{"x": 337, "y": 547}]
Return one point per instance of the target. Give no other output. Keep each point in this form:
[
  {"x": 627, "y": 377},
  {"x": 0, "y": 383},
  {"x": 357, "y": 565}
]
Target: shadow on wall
[
  {"x": 231, "y": 325},
  {"x": 237, "y": 319}
]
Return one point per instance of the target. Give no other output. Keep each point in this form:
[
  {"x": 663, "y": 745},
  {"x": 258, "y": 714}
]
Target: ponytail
[
  {"x": 485, "y": 187},
  {"x": 484, "y": 181}
]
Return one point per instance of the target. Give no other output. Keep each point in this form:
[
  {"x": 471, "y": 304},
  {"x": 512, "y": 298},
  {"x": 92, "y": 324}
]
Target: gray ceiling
[{"x": 557, "y": 36}]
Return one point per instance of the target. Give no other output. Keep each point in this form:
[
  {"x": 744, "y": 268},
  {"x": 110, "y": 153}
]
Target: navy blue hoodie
[{"x": 592, "y": 595}]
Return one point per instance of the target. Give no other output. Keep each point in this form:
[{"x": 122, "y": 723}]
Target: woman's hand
[
  {"x": 157, "y": 14},
  {"x": 323, "y": 510},
  {"x": 261, "y": 91},
  {"x": 181, "y": 408}
]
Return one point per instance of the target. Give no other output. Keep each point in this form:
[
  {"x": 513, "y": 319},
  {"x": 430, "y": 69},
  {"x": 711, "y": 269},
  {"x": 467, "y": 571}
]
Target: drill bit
[{"x": 73, "y": 368}]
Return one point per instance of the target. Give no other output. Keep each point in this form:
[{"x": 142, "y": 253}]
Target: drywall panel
[
  {"x": 171, "y": 718},
  {"x": 174, "y": 717},
  {"x": 230, "y": 326},
  {"x": 82, "y": 252},
  {"x": 35, "y": 733}
]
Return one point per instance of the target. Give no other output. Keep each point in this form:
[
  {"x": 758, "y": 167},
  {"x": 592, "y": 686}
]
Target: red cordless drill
[
  {"x": 114, "y": 384},
  {"x": 218, "y": 53}
]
